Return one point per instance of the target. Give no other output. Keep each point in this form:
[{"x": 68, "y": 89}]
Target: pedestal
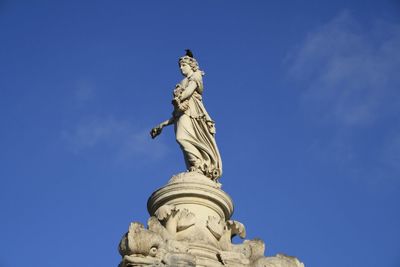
[{"x": 190, "y": 225}]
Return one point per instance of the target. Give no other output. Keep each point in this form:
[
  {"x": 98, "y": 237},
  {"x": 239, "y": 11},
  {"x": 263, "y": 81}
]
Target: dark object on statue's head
[{"x": 189, "y": 53}]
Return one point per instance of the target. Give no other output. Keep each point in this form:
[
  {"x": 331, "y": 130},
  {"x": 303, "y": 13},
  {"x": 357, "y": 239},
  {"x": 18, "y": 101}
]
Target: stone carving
[
  {"x": 190, "y": 225},
  {"x": 231, "y": 229},
  {"x": 145, "y": 247},
  {"x": 185, "y": 220},
  {"x": 280, "y": 260},
  {"x": 175, "y": 220},
  {"x": 251, "y": 253},
  {"x": 156, "y": 246},
  {"x": 190, "y": 217},
  {"x": 216, "y": 226},
  {"x": 193, "y": 177},
  {"x": 194, "y": 128}
]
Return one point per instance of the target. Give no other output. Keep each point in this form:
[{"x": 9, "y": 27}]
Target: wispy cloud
[
  {"x": 350, "y": 73},
  {"x": 120, "y": 139}
]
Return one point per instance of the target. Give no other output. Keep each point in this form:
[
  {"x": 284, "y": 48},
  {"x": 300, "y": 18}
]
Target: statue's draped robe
[{"x": 195, "y": 132}]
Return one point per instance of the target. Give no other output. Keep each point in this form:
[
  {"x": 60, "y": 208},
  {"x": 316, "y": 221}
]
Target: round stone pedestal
[
  {"x": 191, "y": 225},
  {"x": 195, "y": 192},
  {"x": 209, "y": 206}
]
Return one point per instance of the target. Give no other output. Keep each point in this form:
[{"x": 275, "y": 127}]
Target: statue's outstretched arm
[
  {"x": 167, "y": 122},
  {"x": 157, "y": 130},
  {"x": 188, "y": 90}
]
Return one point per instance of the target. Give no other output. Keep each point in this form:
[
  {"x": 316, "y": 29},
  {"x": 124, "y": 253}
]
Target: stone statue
[
  {"x": 190, "y": 221},
  {"x": 194, "y": 128},
  {"x": 143, "y": 247},
  {"x": 172, "y": 239}
]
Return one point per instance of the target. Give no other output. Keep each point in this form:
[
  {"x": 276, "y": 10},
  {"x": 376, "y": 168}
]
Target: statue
[
  {"x": 158, "y": 245},
  {"x": 194, "y": 128},
  {"x": 190, "y": 217}
]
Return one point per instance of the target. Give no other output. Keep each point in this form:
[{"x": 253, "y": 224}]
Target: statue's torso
[{"x": 193, "y": 105}]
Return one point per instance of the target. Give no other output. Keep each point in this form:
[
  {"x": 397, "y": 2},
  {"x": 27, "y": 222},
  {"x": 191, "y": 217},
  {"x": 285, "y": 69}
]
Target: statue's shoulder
[{"x": 196, "y": 76}]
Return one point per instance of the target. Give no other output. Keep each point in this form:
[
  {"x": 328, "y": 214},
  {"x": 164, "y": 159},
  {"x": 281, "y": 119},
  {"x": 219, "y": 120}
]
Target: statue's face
[{"x": 185, "y": 69}]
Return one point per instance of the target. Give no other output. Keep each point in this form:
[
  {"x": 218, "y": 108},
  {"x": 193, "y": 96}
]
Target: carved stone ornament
[
  {"x": 190, "y": 217},
  {"x": 190, "y": 226}
]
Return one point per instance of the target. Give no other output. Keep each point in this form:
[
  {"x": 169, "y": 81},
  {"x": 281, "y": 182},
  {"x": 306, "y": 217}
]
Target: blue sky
[{"x": 305, "y": 95}]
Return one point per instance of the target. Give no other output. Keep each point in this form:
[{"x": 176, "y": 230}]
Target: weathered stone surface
[
  {"x": 194, "y": 128},
  {"x": 190, "y": 225},
  {"x": 190, "y": 217}
]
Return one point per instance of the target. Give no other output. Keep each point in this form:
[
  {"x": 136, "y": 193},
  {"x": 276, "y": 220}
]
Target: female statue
[{"x": 194, "y": 129}]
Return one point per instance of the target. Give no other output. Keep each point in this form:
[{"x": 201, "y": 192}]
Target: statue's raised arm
[{"x": 194, "y": 129}]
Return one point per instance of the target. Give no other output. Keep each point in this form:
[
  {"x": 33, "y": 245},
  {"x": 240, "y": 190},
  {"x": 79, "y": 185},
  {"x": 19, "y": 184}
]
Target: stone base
[
  {"x": 190, "y": 226},
  {"x": 197, "y": 196}
]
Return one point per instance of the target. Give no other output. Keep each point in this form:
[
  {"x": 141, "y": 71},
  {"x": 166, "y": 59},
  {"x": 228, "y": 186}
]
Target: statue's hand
[{"x": 155, "y": 131}]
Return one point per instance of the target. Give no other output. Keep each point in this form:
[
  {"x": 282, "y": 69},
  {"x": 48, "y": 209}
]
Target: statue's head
[
  {"x": 186, "y": 68},
  {"x": 190, "y": 61},
  {"x": 188, "y": 64}
]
